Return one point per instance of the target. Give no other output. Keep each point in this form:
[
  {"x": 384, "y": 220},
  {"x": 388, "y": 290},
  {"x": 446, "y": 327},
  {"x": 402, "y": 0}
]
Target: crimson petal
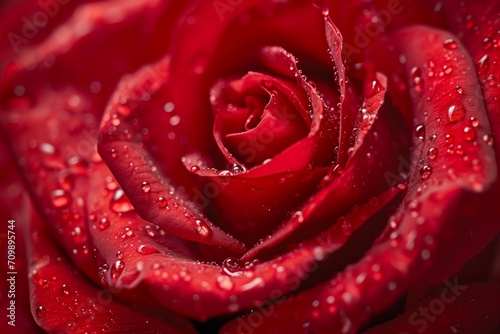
[
  {"x": 153, "y": 197},
  {"x": 460, "y": 308},
  {"x": 63, "y": 300}
]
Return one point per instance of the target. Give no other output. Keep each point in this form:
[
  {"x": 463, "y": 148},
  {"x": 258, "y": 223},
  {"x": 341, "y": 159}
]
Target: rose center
[{"x": 255, "y": 117}]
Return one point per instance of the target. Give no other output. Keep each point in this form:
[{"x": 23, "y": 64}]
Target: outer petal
[
  {"x": 51, "y": 119},
  {"x": 14, "y": 207},
  {"x": 460, "y": 308},
  {"x": 63, "y": 300}
]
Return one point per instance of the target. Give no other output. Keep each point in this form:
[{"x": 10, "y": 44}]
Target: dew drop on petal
[
  {"x": 474, "y": 122},
  {"x": 449, "y": 139},
  {"x": 425, "y": 171},
  {"x": 162, "y": 202},
  {"x": 416, "y": 76},
  {"x": 103, "y": 224},
  {"x": 488, "y": 139},
  {"x": 420, "y": 132},
  {"x": 432, "y": 153},
  {"x": 169, "y": 107},
  {"x": 483, "y": 65},
  {"x": 469, "y": 133},
  {"x": 225, "y": 283},
  {"x": 202, "y": 228},
  {"x": 146, "y": 250},
  {"x": 60, "y": 198},
  {"x": 450, "y": 44},
  {"x": 117, "y": 269},
  {"x": 65, "y": 290},
  {"x": 120, "y": 203},
  {"x": 145, "y": 187},
  {"x": 456, "y": 113},
  {"x": 41, "y": 311},
  {"x": 375, "y": 88},
  {"x": 232, "y": 265}
]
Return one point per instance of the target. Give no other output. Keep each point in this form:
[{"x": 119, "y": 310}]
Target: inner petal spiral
[{"x": 257, "y": 117}]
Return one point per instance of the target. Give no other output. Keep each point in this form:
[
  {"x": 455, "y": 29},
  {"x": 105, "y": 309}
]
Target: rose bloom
[{"x": 250, "y": 166}]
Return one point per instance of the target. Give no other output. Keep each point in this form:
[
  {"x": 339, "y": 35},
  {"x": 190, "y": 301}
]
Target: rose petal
[
  {"x": 62, "y": 299},
  {"x": 153, "y": 197},
  {"x": 464, "y": 308},
  {"x": 51, "y": 124},
  {"x": 14, "y": 276}
]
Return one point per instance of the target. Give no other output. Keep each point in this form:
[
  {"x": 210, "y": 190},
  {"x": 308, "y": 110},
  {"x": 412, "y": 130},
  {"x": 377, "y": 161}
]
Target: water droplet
[
  {"x": 41, "y": 311},
  {"x": 459, "y": 89},
  {"x": 299, "y": 216},
  {"x": 447, "y": 69},
  {"x": 456, "y": 113},
  {"x": 483, "y": 65},
  {"x": 60, "y": 198},
  {"x": 420, "y": 132},
  {"x": 195, "y": 169},
  {"x": 115, "y": 120},
  {"x": 488, "y": 139},
  {"x": 448, "y": 139},
  {"x": 375, "y": 87},
  {"x": 113, "y": 153},
  {"x": 175, "y": 120},
  {"x": 128, "y": 232},
  {"x": 450, "y": 44},
  {"x": 117, "y": 269},
  {"x": 145, "y": 187},
  {"x": 225, "y": 283},
  {"x": 469, "y": 133},
  {"x": 119, "y": 255},
  {"x": 146, "y": 250},
  {"x": 474, "y": 122},
  {"x": 236, "y": 169},
  {"x": 120, "y": 203},
  {"x": 425, "y": 171},
  {"x": 232, "y": 266},
  {"x": 123, "y": 110},
  {"x": 65, "y": 290},
  {"x": 78, "y": 236},
  {"x": 432, "y": 153},
  {"x": 169, "y": 107},
  {"x": 103, "y": 224},
  {"x": 162, "y": 202},
  {"x": 487, "y": 43},
  {"x": 414, "y": 206},
  {"x": 416, "y": 75},
  {"x": 202, "y": 228}
]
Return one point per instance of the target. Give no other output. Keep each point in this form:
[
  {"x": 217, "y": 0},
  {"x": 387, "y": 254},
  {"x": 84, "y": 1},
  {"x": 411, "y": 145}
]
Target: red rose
[{"x": 182, "y": 171}]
